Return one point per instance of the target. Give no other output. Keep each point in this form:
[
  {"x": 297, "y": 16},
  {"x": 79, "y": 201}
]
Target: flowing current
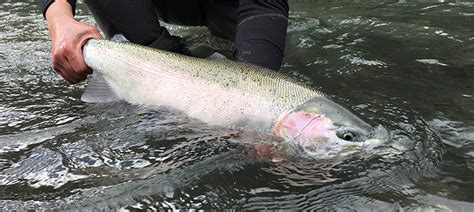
[{"x": 405, "y": 64}]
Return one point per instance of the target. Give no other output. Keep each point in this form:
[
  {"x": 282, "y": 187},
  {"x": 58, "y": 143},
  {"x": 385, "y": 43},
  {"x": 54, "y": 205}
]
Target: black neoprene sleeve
[
  {"x": 44, "y": 4},
  {"x": 261, "y": 32}
]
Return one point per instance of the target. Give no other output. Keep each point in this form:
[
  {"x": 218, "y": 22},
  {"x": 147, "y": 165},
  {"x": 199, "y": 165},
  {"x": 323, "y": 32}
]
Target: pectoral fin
[{"x": 99, "y": 91}]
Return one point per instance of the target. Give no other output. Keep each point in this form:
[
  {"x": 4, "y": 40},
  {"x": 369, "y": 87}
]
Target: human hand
[{"x": 68, "y": 36}]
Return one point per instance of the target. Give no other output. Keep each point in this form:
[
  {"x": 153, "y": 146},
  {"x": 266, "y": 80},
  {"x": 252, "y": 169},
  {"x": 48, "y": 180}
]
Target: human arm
[
  {"x": 261, "y": 32},
  {"x": 68, "y": 36}
]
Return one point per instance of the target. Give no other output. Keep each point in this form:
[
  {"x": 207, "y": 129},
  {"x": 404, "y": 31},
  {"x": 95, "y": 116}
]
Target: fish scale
[{"x": 219, "y": 92}]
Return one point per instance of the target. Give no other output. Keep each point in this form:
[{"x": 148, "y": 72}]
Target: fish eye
[{"x": 346, "y": 135}]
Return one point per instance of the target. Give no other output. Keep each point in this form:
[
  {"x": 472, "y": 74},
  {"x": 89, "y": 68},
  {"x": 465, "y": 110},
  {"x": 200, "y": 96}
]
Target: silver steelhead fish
[{"x": 228, "y": 93}]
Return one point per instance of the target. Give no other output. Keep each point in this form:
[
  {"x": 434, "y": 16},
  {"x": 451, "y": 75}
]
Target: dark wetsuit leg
[
  {"x": 261, "y": 32},
  {"x": 136, "y": 20},
  {"x": 220, "y": 16},
  {"x": 258, "y": 27}
]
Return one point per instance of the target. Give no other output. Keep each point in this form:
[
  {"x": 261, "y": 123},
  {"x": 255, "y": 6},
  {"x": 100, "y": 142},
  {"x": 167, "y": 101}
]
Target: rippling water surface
[{"x": 406, "y": 64}]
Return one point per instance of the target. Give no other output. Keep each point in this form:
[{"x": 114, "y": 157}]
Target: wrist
[
  {"x": 57, "y": 15},
  {"x": 59, "y": 9}
]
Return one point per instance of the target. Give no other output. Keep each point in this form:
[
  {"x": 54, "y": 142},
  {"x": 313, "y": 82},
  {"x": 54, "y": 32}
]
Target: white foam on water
[
  {"x": 431, "y": 62},
  {"x": 441, "y": 33},
  {"x": 361, "y": 61},
  {"x": 42, "y": 168}
]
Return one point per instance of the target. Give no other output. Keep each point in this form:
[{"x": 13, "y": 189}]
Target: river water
[{"x": 404, "y": 64}]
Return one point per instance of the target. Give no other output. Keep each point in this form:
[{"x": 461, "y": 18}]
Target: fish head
[{"x": 322, "y": 128}]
